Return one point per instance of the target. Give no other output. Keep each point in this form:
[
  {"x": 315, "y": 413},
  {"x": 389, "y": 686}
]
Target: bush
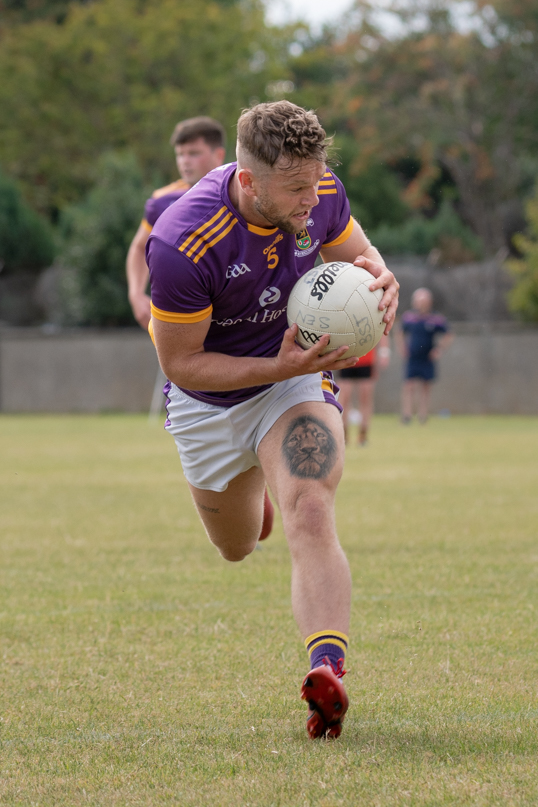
[
  {"x": 375, "y": 193},
  {"x": 97, "y": 233},
  {"x": 453, "y": 241},
  {"x": 26, "y": 240},
  {"x": 523, "y": 297}
]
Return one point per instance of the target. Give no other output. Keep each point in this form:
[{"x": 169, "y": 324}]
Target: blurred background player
[
  {"x": 199, "y": 146},
  {"x": 359, "y": 382},
  {"x": 421, "y": 340}
]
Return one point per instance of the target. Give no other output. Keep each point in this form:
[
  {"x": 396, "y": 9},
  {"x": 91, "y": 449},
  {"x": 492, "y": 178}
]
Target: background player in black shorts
[{"x": 361, "y": 380}]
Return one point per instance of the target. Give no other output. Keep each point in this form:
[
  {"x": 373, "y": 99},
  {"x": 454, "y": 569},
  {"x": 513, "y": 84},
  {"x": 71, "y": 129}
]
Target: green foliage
[
  {"x": 120, "y": 74},
  {"x": 374, "y": 192},
  {"x": 463, "y": 99},
  {"x": 26, "y": 241},
  {"x": 523, "y": 297},
  {"x": 419, "y": 236},
  {"x": 23, "y": 11},
  {"x": 97, "y": 233}
]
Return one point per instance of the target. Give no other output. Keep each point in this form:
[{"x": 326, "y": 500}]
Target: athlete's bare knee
[{"x": 307, "y": 506}]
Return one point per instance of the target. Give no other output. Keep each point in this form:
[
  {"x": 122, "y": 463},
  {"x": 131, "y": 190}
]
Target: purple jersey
[
  {"x": 205, "y": 259},
  {"x": 160, "y": 200}
]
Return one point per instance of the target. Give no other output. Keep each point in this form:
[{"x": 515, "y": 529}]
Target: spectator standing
[{"x": 422, "y": 338}]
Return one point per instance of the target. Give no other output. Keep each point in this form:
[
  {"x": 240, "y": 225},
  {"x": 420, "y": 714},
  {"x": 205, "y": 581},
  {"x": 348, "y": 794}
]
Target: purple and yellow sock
[{"x": 329, "y": 644}]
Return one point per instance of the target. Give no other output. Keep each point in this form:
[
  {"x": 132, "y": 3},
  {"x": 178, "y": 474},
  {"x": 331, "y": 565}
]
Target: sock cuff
[{"x": 334, "y": 637}]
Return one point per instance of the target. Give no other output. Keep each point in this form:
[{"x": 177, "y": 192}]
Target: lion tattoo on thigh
[{"x": 309, "y": 448}]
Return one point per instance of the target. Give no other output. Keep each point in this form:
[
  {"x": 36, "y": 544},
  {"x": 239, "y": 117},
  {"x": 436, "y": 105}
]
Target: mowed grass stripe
[{"x": 138, "y": 668}]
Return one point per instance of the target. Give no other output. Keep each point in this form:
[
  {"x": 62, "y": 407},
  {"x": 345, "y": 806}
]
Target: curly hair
[{"x": 269, "y": 132}]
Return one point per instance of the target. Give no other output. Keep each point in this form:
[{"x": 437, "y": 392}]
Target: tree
[
  {"x": 465, "y": 100},
  {"x": 26, "y": 241},
  {"x": 97, "y": 233},
  {"x": 22, "y": 11},
  {"x": 375, "y": 194},
  {"x": 523, "y": 297},
  {"x": 120, "y": 74}
]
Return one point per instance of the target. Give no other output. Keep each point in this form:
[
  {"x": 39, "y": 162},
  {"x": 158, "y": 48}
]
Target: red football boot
[
  {"x": 268, "y": 517},
  {"x": 327, "y": 700}
]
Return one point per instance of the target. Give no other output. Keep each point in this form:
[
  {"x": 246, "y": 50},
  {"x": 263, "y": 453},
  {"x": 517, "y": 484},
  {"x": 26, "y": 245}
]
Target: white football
[{"x": 335, "y": 298}]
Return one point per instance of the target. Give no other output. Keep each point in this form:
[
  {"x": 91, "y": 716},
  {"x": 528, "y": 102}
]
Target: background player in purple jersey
[
  {"x": 247, "y": 406},
  {"x": 421, "y": 340},
  {"x": 199, "y": 146}
]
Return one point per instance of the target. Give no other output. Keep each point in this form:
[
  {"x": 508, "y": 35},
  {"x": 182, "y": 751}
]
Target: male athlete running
[{"x": 247, "y": 406}]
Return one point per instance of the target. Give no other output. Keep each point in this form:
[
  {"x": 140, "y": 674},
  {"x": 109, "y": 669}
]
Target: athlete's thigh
[
  {"x": 235, "y": 511},
  {"x": 303, "y": 451}
]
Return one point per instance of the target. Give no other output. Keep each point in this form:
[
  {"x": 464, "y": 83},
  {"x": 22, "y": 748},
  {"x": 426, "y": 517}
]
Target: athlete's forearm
[
  {"x": 373, "y": 254},
  {"x": 184, "y": 361},
  {"x": 137, "y": 272},
  {"x": 217, "y": 372}
]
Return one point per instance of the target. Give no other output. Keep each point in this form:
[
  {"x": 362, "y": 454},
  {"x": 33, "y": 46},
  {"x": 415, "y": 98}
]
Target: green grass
[{"x": 138, "y": 668}]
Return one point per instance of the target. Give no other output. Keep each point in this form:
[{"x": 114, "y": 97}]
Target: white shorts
[{"x": 218, "y": 443}]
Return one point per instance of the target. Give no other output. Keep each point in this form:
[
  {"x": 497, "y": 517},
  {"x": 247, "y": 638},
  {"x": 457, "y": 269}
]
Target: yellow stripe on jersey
[
  {"x": 146, "y": 225},
  {"x": 342, "y": 237},
  {"x": 327, "y": 184},
  {"x": 150, "y": 331},
  {"x": 174, "y": 316},
  {"x": 206, "y": 236},
  {"x": 261, "y": 230},
  {"x": 186, "y": 243},
  {"x": 178, "y": 185},
  {"x": 326, "y": 384},
  {"x": 215, "y": 241}
]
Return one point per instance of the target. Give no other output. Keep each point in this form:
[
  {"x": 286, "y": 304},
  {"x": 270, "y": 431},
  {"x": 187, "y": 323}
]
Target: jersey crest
[{"x": 303, "y": 239}]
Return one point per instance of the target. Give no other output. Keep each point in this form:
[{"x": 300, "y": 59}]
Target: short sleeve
[
  {"x": 405, "y": 323},
  {"x": 340, "y": 224},
  {"x": 152, "y": 210},
  {"x": 179, "y": 291},
  {"x": 441, "y": 324}
]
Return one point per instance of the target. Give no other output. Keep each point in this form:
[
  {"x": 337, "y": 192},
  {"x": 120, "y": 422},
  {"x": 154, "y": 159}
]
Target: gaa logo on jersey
[
  {"x": 302, "y": 239},
  {"x": 236, "y": 271}
]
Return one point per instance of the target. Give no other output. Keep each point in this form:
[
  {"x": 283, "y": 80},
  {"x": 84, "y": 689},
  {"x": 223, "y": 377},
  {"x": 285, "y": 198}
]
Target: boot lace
[{"x": 339, "y": 669}]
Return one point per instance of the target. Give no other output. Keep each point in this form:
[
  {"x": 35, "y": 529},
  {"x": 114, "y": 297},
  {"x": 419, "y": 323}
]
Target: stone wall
[
  {"x": 471, "y": 292},
  {"x": 76, "y": 371},
  {"x": 489, "y": 368}
]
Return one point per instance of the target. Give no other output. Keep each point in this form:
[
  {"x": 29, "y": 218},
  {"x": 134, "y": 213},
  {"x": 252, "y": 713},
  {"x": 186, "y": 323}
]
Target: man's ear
[{"x": 247, "y": 181}]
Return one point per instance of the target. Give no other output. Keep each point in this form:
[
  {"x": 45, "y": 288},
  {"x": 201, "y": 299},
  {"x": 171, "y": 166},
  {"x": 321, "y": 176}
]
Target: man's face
[
  {"x": 196, "y": 158},
  {"x": 309, "y": 448},
  {"x": 285, "y": 196},
  {"x": 422, "y": 301}
]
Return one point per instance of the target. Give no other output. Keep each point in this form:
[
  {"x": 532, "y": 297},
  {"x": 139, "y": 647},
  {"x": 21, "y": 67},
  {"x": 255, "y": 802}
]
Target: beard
[{"x": 266, "y": 208}]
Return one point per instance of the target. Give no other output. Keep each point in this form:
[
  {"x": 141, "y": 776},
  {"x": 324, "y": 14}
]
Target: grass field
[{"x": 138, "y": 668}]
